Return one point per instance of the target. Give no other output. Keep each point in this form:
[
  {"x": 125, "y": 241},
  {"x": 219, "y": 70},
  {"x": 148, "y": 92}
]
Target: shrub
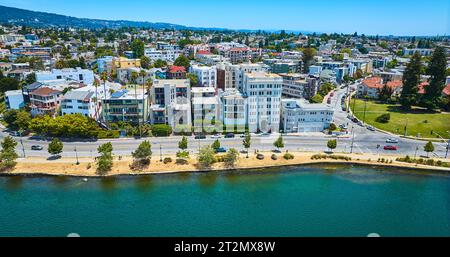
[
  {"x": 161, "y": 130},
  {"x": 384, "y": 118},
  {"x": 260, "y": 156},
  {"x": 167, "y": 160},
  {"x": 274, "y": 157},
  {"x": 288, "y": 156},
  {"x": 106, "y": 134}
]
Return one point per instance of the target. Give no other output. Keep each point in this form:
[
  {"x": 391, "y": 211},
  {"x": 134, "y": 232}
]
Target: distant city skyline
[{"x": 381, "y": 17}]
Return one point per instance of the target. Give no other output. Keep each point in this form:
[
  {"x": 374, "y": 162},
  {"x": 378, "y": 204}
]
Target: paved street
[{"x": 364, "y": 141}]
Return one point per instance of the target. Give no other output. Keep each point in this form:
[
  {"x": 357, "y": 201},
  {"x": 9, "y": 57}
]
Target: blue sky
[{"x": 384, "y": 17}]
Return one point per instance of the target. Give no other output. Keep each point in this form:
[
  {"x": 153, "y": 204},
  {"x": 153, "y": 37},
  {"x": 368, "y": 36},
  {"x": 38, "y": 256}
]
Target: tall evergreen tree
[
  {"x": 411, "y": 79},
  {"x": 437, "y": 70}
]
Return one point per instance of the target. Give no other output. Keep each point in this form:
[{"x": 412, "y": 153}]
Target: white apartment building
[
  {"x": 297, "y": 116},
  {"x": 171, "y": 104},
  {"x": 84, "y": 76},
  {"x": 264, "y": 98},
  {"x": 299, "y": 85},
  {"x": 205, "y": 109},
  {"x": 85, "y": 101},
  {"x": 169, "y": 55},
  {"x": 233, "y": 110},
  {"x": 207, "y": 76}
]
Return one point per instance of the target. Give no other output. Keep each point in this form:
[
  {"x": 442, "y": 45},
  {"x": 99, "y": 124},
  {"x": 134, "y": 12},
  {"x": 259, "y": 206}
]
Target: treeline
[{"x": 432, "y": 97}]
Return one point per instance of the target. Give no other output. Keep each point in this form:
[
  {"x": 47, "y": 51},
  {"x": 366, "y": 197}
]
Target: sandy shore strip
[{"x": 87, "y": 166}]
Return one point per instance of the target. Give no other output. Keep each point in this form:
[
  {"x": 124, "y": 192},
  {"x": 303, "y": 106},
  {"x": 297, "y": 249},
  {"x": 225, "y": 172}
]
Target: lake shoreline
[{"x": 38, "y": 167}]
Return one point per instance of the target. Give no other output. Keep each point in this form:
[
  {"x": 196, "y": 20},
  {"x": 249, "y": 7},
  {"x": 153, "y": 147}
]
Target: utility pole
[
  {"x": 353, "y": 139},
  {"x": 76, "y": 155},
  {"x": 160, "y": 153},
  {"x": 406, "y": 127},
  {"x": 415, "y": 153},
  {"x": 365, "y": 108}
]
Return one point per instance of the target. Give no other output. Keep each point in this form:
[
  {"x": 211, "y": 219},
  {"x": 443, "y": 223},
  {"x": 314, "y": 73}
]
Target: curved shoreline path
[{"x": 35, "y": 166}]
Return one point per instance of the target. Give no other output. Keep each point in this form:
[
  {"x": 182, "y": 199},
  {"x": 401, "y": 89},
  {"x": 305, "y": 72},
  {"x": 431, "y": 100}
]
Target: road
[{"x": 364, "y": 141}]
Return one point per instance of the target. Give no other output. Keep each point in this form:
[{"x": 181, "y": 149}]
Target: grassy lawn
[{"x": 419, "y": 120}]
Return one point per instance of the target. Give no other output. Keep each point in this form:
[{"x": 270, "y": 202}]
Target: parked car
[
  {"x": 200, "y": 136},
  {"x": 229, "y": 135},
  {"x": 392, "y": 141},
  {"x": 390, "y": 148},
  {"x": 216, "y": 136},
  {"x": 370, "y": 128},
  {"x": 221, "y": 150},
  {"x": 36, "y": 148},
  {"x": 242, "y": 135}
]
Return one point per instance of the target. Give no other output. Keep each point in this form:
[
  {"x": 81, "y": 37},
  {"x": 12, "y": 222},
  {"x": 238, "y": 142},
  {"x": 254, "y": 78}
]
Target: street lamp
[
  {"x": 160, "y": 153},
  {"x": 353, "y": 139},
  {"x": 76, "y": 155},
  {"x": 21, "y": 142}
]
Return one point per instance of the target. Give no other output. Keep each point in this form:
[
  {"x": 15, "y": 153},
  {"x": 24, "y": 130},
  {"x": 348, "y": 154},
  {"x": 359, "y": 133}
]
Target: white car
[
  {"x": 216, "y": 136},
  {"x": 392, "y": 141}
]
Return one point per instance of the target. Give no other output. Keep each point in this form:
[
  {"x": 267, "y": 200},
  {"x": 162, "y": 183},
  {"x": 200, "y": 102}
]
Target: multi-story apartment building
[
  {"x": 233, "y": 110},
  {"x": 155, "y": 54},
  {"x": 84, "y": 76},
  {"x": 264, "y": 98},
  {"x": 43, "y": 53},
  {"x": 126, "y": 106},
  {"x": 85, "y": 101},
  {"x": 207, "y": 76},
  {"x": 299, "y": 85},
  {"x": 171, "y": 104},
  {"x": 232, "y": 76},
  {"x": 45, "y": 101},
  {"x": 205, "y": 109},
  {"x": 421, "y": 51},
  {"x": 297, "y": 115},
  {"x": 370, "y": 87}
]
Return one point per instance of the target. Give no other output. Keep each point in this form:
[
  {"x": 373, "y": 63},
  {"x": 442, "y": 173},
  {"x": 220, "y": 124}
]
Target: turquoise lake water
[{"x": 299, "y": 201}]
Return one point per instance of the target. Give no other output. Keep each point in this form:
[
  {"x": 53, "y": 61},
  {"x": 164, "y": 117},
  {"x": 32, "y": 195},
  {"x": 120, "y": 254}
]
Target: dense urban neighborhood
[{"x": 82, "y": 85}]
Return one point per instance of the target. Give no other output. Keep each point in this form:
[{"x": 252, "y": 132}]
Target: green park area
[{"x": 418, "y": 121}]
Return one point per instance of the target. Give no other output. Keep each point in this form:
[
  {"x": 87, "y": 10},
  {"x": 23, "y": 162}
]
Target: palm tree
[
  {"x": 142, "y": 74},
  {"x": 96, "y": 84},
  {"x": 134, "y": 76},
  {"x": 104, "y": 77}
]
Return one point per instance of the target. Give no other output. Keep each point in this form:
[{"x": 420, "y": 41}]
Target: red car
[{"x": 390, "y": 148}]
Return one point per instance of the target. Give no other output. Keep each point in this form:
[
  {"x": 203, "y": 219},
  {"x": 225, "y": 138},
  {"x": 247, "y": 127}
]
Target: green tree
[
  {"x": 385, "y": 93},
  {"x": 143, "y": 153},
  {"x": 137, "y": 46},
  {"x": 308, "y": 57},
  {"x": 55, "y": 147},
  {"x": 193, "y": 78},
  {"x": 316, "y": 99},
  {"x": 279, "y": 143},
  {"x": 216, "y": 144},
  {"x": 7, "y": 84},
  {"x": 411, "y": 79},
  {"x": 436, "y": 69},
  {"x": 428, "y": 148},
  {"x": 247, "y": 142},
  {"x": 145, "y": 62},
  {"x": 30, "y": 78},
  {"x": 182, "y": 61},
  {"x": 183, "y": 144},
  {"x": 159, "y": 63},
  {"x": 105, "y": 160},
  {"x": 231, "y": 157},
  {"x": 206, "y": 157},
  {"x": 8, "y": 154},
  {"x": 332, "y": 144}
]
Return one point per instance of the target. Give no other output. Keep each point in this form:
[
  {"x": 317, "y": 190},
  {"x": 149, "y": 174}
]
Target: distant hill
[{"x": 18, "y": 16}]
